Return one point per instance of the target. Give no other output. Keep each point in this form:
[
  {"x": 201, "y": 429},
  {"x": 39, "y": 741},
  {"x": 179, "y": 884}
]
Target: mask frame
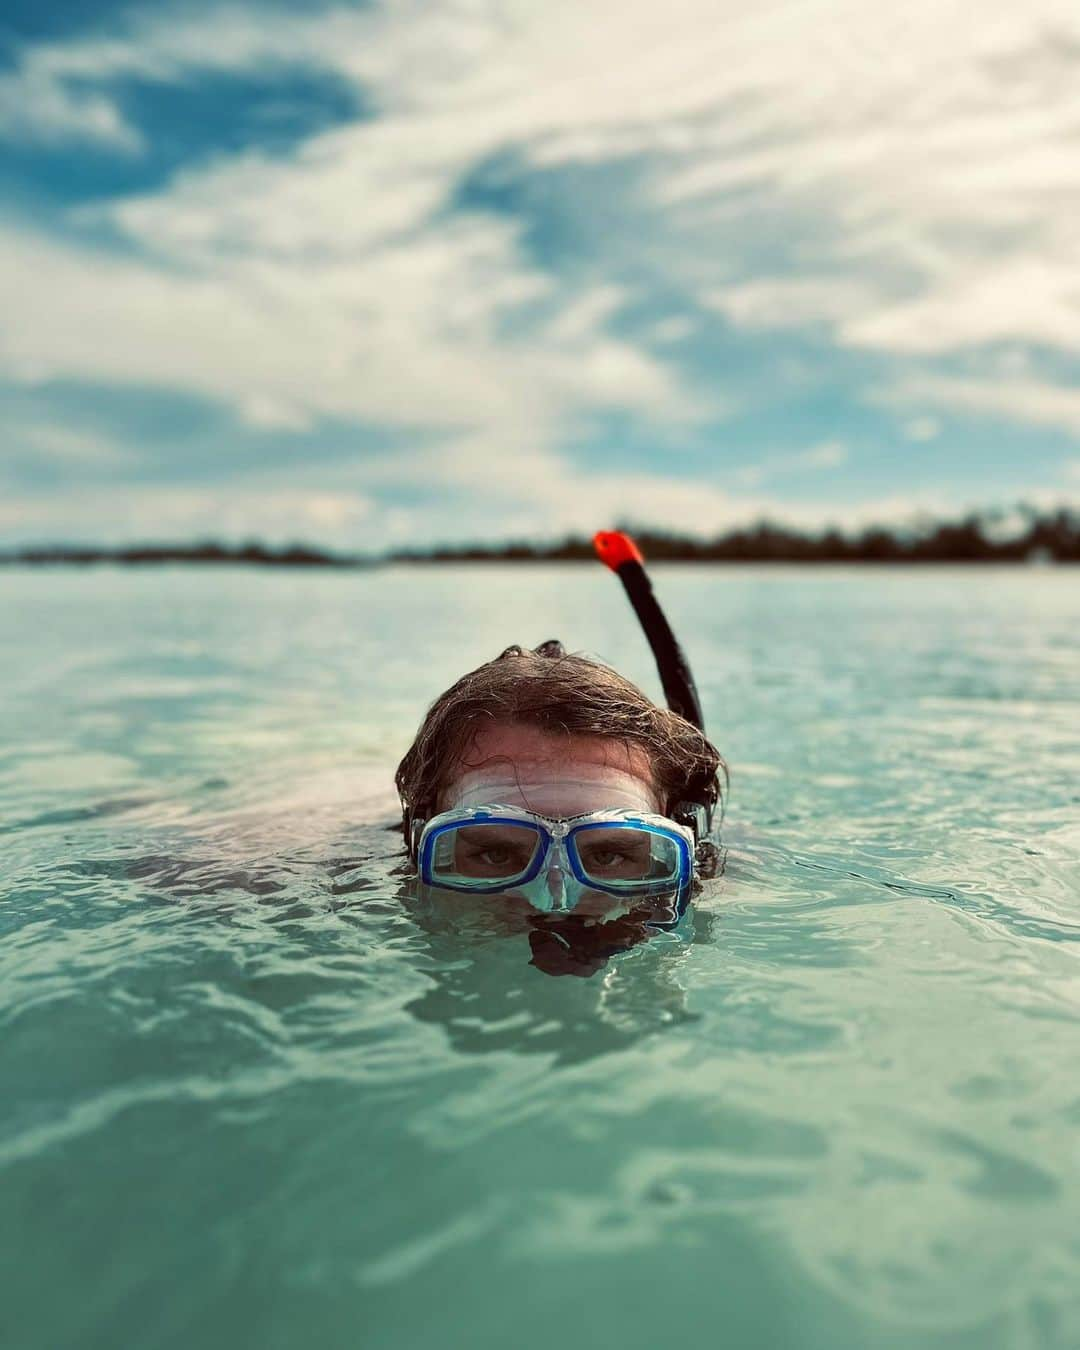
[{"x": 558, "y": 837}]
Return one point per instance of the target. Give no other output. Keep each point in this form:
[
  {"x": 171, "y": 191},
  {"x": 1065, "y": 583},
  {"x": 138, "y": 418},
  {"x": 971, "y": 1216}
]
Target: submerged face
[{"x": 559, "y": 777}]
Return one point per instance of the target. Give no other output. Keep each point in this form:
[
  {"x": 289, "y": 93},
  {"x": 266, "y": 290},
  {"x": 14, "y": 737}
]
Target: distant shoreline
[
  {"x": 13, "y": 563},
  {"x": 1037, "y": 538}
]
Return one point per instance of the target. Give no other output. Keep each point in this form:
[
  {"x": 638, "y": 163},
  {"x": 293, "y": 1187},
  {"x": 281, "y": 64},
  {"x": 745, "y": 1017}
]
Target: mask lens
[
  {"x": 618, "y": 856},
  {"x": 490, "y": 852}
]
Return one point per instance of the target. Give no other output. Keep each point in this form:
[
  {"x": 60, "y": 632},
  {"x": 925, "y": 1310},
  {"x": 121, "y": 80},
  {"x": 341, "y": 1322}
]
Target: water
[{"x": 256, "y": 1093}]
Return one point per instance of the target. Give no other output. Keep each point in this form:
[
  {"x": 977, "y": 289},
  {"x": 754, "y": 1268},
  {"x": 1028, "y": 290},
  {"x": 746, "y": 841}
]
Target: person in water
[{"x": 549, "y": 778}]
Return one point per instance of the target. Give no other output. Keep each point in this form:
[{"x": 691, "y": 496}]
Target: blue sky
[{"x": 452, "y": 269}]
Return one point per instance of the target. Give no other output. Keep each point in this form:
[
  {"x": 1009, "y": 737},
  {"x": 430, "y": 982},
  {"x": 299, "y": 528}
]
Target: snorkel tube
[{"x": 619, "y": 552}]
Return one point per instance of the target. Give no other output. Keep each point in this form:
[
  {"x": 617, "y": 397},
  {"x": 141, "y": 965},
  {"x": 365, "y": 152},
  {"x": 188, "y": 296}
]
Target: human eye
[
  {"x": 622, "y": 854},
  {"x": 605, "y": 857},
  {"x": 496, "y": 855},
  {"x": 502, "y": 851}
]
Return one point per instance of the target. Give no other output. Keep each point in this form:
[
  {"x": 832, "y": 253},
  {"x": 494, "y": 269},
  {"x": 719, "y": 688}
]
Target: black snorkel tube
[{"x": 619, "y": 552}]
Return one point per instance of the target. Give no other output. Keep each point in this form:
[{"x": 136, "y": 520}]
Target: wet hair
[{"x": 559, "y": 693}]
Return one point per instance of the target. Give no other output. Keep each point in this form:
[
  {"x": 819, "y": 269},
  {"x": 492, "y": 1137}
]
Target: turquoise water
[{"x": 257, "y": 1093}]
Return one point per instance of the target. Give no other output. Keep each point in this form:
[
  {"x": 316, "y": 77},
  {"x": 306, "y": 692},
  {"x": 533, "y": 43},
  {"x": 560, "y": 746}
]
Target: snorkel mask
[
  {"x": 637, "y": 858},
  {"x": 592, "y": 843}
]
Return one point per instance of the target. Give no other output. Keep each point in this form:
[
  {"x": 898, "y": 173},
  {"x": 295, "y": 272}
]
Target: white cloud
[
  {"x": 922, "y": 429},
  {"x": 923, "y": 164},
  {"x": 675, "y": 329},
  {"x": 404, "y": 334},
  {"x": 828, "y": 455},
  {"x": 1004, "y": 299},
  {"x": 468, "y": 490},
  {"x": 65, "y": 445},
  {"x": 327, "y": 284},
  {"x": 1022, "y": 401},
  {"x": 470, "y": 495},
  {"x": 238, "y": 512},
  {"x": 60, "y": 90},
  {"x": 792, "y": 302}
]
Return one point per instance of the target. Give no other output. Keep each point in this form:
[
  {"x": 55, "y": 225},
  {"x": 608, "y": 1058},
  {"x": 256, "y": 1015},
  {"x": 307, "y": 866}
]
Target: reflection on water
[
  {"x": 261, "y": 1087},
  {"x": 484, "y": 1004}
]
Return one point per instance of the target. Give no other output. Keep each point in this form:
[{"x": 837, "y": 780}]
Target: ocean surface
[{"x": 256, "y": 1091}]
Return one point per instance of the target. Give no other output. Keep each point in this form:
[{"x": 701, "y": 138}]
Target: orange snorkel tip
[{"x": 614, "y": 548}]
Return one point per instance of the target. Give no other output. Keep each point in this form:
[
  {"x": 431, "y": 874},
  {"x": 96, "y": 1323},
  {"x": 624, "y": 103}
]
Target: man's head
[{"x": 548, "y": 730}]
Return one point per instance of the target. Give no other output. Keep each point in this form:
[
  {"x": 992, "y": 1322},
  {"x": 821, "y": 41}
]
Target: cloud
[
  {"x": 465, "y": 490},
  {"x": 793, "y": 302},
  {"x": 828, "y": 455},
  {"x": 923, "y": 168},
  {"x": 1021, "y": 401},
  {"x": 677, "y": 328},
  {"x": 65, "y": 90},
  {"x": 64, "y": 445},
  {"x": 466, "y": 496},
  {"x": 335, "y": 282},
  {"x": 1005, "y": 299},
  {"x": 403, "y": 335},
  {"x": 922, "y": 429},
  {"x": 925, "y": 164},
  {"x": 140, "y": 514},
  {"x": 481, "y": 494}
]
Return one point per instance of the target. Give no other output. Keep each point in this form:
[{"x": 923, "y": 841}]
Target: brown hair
[{"x": 558, "y": 692}]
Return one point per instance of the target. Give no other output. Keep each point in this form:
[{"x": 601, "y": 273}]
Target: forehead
[
  {"x": 512, "y": 753},
  {"x": 516, "y": 743}
]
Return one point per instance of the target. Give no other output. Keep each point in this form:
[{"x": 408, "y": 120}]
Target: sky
[{"x": 445, "y": 270}]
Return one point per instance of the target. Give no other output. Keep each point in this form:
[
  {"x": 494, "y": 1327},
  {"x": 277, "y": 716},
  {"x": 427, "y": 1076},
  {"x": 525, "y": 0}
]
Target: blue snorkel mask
[{"x": 637, "y": 859}]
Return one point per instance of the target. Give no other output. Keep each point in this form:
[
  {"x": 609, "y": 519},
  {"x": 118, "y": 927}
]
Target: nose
[{"x": 556, "y": 885}]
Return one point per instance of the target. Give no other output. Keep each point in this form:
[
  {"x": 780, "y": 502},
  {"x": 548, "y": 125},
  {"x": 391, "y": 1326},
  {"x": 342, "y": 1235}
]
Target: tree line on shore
[{"x": 1025, "y": 535}]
